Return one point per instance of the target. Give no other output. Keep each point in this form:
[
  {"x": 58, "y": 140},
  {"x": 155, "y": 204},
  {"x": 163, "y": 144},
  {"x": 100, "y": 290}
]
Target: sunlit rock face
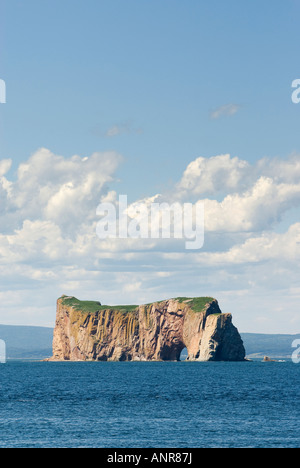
[{"x": 87, "y": 330}]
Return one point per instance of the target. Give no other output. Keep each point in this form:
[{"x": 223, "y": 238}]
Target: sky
[{"x": 166, "y": 100}]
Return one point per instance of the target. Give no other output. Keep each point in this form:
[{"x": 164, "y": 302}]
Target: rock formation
[
  {"x": 268, "y": 359},
  {"x": 154, "y": 332}
]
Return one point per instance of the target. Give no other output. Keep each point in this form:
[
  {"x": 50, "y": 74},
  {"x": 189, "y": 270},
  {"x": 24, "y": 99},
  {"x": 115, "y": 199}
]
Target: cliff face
[{"x": 158, "y": 331}]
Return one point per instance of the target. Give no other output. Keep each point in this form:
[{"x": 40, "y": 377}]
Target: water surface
[{"x": 157, "y": 405}]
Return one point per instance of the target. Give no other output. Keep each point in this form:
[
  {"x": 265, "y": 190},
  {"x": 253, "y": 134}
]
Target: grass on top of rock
[
  {"x": 197, "y": 304},
  {"x": 91, "y": 307}
]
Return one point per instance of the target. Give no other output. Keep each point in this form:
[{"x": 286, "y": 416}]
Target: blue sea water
[{"x": 156, "y": 405}]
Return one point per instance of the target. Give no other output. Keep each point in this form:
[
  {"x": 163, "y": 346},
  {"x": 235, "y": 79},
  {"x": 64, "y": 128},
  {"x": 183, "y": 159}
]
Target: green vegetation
[
  {"x": 197, "y": 304},
  {"x": 123, "y": 318},
  {"x": 91, "y": 307},
  {"x": 84, "y": 306}
]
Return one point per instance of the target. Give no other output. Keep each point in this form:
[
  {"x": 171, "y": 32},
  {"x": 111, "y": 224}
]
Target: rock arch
[{"x": 153, "y": 332}]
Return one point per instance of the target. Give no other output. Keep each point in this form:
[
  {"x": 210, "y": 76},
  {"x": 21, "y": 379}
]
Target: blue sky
[
  {"x": 158, "y": 84},
  {"x": 156, "y": 69}
]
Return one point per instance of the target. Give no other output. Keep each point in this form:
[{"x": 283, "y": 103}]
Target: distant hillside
[
  {"x": 277, "y": 346},
  {"x": 27, "y": 342},
  {"x": 36, "y": 343}
]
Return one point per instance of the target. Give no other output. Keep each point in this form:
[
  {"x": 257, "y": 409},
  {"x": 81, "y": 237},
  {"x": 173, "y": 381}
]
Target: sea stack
[{"x": 88, "y": 331}]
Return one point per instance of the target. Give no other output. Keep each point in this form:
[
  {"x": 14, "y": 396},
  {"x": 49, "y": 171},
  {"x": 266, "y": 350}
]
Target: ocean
[{"x": 149, "y": 405}]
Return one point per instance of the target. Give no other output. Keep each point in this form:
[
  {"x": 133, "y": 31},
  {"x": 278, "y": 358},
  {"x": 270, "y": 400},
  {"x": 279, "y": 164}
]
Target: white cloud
[
  {"x": 213, "y": 175},
  {"x": 242, "y": 197},
  {"x": 115, "y": 130},
  {"x": 48, "y": 213},
  {"x": 281, "y": 170},
  {"x": 54, "y": 188},
  {"x": 269, "y": 246},
  {"x": 5, "y": 165},
  {"x": 224, "y": 111},
  {"x": 257, "y": 209}
]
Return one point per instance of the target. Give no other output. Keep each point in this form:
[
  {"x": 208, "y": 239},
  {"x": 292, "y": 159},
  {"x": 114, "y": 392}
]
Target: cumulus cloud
[
  {"x": 62, "y": 190},
  {"x": 238, "y": 196},
  {"x": 60, "y": 195},
  {"x": 213, "y": 175},
  {"x": 5, "y": 165},
  {"x": 48, "y": 213},
  {"x": 269, "y": 246},
  {"x": 257, "y": 209},
  {"x": 281, "y": 170}
]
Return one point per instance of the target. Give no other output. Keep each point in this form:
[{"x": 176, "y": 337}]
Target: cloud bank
[{"x": 49, "y": 246}]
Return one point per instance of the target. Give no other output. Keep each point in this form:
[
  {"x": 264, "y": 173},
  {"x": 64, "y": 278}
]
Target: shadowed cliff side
[{"x": 154, "y": 332}]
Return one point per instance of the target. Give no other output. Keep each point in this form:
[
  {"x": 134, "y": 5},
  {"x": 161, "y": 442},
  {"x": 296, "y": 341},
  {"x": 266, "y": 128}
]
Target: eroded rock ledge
[{"x": 153, "y": 332}]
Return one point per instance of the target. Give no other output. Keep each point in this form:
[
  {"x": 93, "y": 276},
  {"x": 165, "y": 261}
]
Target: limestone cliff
[{"x": 159, "y": 331}]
